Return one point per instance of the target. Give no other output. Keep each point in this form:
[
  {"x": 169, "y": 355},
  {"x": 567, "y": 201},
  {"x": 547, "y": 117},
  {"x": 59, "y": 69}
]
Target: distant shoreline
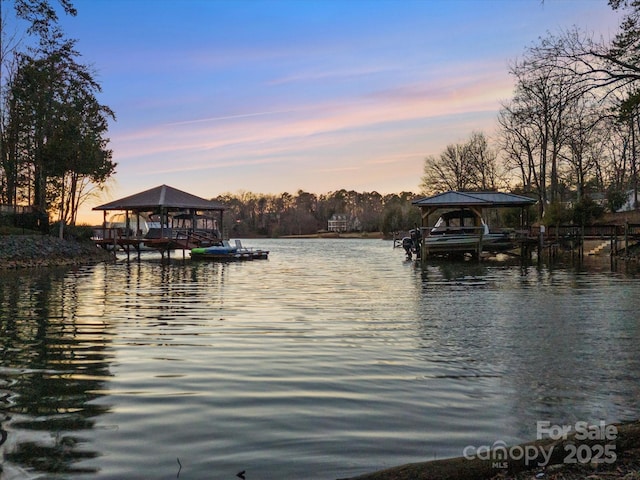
[
  {"x": 29, "y": 251},
  {"x": 365, "y": 235}
]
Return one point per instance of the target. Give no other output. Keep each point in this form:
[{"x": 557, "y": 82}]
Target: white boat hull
[{"x": 465, "y": 243}]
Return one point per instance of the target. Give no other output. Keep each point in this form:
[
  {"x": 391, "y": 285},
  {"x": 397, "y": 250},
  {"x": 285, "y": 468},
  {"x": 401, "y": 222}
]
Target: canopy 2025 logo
[{"x": 600, "y": 448}]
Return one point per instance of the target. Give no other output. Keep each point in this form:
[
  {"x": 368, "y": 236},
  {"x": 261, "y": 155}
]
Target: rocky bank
[{"x": 27, "y": 251}]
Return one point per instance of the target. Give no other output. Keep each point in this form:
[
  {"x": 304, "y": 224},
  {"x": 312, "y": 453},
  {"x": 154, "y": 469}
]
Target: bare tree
[
  {"x": 614, "y": 165},
  {"x": 518, "y": 143},
  {"x": 463, "y": 167},
  {"x": 558, "y": 132},
  {"x": 450, "y": 171},
  {"x": 483, "y": 161},
  {"x": 584, "y": 144},
  {"x": 536, "y": 120},
  {"x": 630, "y": 115}
]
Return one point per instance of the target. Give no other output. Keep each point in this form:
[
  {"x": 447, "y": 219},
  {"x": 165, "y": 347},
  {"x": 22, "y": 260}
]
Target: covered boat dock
[
  {"x": 173, "y": 219},
  {"x": 464, "y": 230}
]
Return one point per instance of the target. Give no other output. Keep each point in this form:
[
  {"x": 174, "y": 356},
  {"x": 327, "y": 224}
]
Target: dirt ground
[
  {"x": 625, "y": 465},
  {"x": 621, "y": 217}
]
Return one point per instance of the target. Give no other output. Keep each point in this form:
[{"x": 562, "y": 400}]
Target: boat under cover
[{"x": 461, "y": 231}]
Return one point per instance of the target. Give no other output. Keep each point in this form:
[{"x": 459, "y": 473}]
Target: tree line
[
  {"x": 54, "y": 152},
  {"x": 304, "y": 213},
  {"x": 571, "y": 129}
]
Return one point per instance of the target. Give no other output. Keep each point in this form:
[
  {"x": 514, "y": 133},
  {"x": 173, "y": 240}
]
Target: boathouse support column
[
  {"x": 424, "y": 249},
  {"x": 626, "y": 239},
  {"x": 424, "y": 253},
  {"x": 127, "y": 224},
  {"x": 540, "y": 243},
  {"x": 522, "y": 237},
  {"x": 104, "y": 225},
  {"x": 477, "y": 223}
]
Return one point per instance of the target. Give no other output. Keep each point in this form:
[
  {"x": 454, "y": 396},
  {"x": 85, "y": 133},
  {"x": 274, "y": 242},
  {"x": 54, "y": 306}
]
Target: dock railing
[
  {"x": 588, "y": 231},
  {"x": 621, "y": 236},
  {"x": 162, "y": 239}
]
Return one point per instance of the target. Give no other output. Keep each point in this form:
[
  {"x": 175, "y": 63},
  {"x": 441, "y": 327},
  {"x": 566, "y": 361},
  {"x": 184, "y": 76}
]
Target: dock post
[
  {"x": 424, "y": 248},
  {"x": 626, "y": 238},
  {"x": 613, "y": 242}
]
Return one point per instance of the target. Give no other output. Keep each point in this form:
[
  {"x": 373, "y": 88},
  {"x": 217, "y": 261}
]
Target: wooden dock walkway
[
  {"x": 163, "y": 241},
  {"x": 615, "y": 240}
]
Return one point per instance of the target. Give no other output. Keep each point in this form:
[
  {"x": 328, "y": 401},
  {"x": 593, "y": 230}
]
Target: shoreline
[
  {"x": 363, "y": 236},
  {"x": 626, "y": 465},
  {"x": 33, "y": 250},
  {"x": 42, "y": 251}
]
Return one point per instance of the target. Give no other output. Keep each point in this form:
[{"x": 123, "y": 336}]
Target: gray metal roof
[
  {"x": 481, "y": 199},
  {"x": 163, "y": 196}
]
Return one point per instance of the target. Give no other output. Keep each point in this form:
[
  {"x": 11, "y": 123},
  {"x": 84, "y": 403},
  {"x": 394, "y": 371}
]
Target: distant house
[
  {"x": 339, "y": 222},
  {"x": 630, "y": 202},
  {"x": 15, "y": 209}
]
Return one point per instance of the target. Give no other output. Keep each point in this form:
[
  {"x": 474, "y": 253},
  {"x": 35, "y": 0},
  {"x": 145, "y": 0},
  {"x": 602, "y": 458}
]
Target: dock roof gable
[
  {"x": 162, "y": 196},
  {"x": 476, "y": 199}
]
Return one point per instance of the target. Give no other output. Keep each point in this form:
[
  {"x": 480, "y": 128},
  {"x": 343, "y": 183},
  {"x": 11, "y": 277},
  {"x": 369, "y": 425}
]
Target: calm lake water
[{"x": 330, "y": 359}]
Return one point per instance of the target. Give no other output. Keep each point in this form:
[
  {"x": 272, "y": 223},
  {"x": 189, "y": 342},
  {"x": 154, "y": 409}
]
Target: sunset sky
[{"x": 217, "y": 96}]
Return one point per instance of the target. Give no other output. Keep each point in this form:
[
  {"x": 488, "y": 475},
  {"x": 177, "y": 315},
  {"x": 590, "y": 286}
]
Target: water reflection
[
  {"x": 562, "y": 339},
  {"x": 53, "y": 359},
  {"x": 328, "y": 360}
]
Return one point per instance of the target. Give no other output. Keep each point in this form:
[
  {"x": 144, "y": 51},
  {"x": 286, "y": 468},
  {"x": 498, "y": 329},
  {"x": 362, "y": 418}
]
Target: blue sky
[{"x": 216, "y": 96}]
